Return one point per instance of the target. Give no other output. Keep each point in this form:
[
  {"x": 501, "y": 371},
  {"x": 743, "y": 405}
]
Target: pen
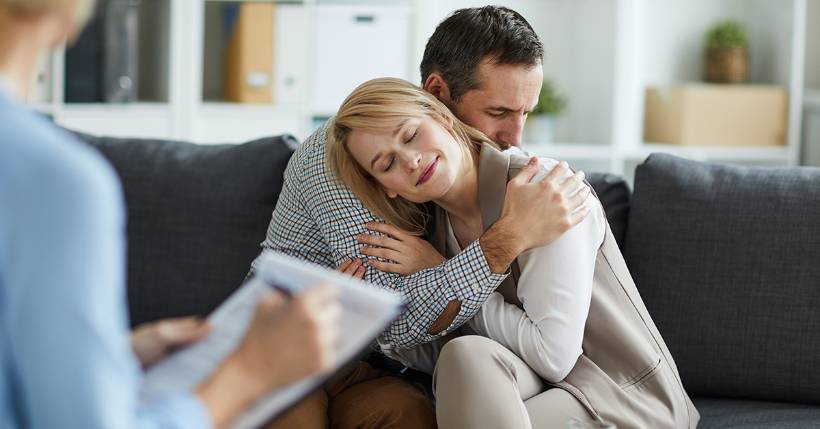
[{"x": 285, "y": 289}]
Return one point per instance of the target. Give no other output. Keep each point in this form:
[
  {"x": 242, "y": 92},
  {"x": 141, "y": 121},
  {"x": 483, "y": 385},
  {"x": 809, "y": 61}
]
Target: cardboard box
[
  {"x": 248, "y": 76},
  {"x": 716, "y": 115}
]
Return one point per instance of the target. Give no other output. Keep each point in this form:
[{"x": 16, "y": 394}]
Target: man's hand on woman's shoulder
[{"x": 535, "y": 212}]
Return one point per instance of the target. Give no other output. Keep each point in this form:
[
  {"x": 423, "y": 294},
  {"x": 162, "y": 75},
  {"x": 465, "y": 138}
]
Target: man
[{"x": 485, "y": 65}]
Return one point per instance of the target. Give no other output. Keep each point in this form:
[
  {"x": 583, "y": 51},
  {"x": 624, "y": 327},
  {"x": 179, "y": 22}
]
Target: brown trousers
[{"x": 361, "y": 397}]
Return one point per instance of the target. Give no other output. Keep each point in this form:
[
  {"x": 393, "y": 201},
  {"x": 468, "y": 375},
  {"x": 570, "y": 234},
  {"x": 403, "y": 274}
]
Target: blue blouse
[{"x": 65, "y": 354}]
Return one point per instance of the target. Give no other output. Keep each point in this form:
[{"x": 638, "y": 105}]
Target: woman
[
  {"x": 569, "y": 313},
  {"x": 66, "y": 357}
]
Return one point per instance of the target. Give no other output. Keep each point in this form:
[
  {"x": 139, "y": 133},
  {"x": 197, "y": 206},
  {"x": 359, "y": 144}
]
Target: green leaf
[
  {"x": 726, "y": 34},
  {"x": 550, "y": 101}
]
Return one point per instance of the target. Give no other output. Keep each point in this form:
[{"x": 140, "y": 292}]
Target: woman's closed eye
[
  {"x": 412, "y": 137},
  {"x": 392, "y": 159}
]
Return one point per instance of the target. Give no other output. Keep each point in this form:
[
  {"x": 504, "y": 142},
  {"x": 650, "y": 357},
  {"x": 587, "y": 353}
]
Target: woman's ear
[
  {"x": 436, "y": 85},
  {"x": 391, "y": 194}
]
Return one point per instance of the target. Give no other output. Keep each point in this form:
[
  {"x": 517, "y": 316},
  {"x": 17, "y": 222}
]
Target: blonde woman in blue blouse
[
  {"x": 66, "y": 357},
  {"x": 566, "y": 336}
]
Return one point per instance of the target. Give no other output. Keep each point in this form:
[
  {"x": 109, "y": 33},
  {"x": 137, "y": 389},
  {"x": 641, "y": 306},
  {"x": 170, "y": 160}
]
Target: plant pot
[
  {"x": 540, "y": 129},
  {"x": 726, "y": 65}
]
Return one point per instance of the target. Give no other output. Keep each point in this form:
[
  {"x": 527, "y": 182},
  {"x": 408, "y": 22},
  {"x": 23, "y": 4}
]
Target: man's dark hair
[{"x": 468, "y": 36}]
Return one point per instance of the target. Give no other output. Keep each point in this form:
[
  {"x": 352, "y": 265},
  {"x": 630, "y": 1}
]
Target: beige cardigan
[{"x": 625, "y": 374}]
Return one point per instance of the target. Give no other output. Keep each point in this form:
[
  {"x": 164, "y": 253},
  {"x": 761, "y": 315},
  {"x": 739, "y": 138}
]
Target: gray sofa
[{"x": 727, "y": 260}]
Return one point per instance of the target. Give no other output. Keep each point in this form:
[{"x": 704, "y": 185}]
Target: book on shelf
[
  {"x": 248, "y": 59},
  {"x": 102, "y": 64}
]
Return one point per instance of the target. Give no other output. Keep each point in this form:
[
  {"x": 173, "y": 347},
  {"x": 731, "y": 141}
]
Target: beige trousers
[{"x": 479, "y": 383}]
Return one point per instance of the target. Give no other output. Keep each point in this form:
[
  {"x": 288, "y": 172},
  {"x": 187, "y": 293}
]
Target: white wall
[
  {"x": 811, "y": 110},
  {"x": 578, "y": 38},
  {"x": 675, "y": 37},
  {"x": 812, "y": 76}
]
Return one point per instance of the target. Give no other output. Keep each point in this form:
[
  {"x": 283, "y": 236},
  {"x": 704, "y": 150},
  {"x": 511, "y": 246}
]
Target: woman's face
[{"x": 417, "y": 159}]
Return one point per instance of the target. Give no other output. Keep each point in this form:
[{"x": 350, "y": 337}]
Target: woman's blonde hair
[
  {"x": 81, "y": 9},
  {"x": 379, "y": 105}
]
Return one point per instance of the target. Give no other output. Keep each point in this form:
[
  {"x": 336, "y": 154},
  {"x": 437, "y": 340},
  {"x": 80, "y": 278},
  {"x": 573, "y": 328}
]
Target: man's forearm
[
  {"x": 440, "y": 298},
  {"x": 500, "y": 247}
]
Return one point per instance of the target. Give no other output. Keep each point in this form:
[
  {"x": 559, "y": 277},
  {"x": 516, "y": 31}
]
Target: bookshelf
[
  {"x": 660, "y": 42},
  {"x": 602, "y": 54}
]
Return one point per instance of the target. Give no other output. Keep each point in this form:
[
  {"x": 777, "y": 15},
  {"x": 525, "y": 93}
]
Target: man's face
[{"x": 506, "y": 94}]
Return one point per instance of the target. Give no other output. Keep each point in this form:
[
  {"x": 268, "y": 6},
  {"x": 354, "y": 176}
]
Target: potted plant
[
  {"x": 726, "y": 53},
  {"x": 540, "y": 128}
]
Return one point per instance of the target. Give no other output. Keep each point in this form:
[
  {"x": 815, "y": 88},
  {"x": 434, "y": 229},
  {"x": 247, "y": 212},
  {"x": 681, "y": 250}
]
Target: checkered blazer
[{"x": 317, "y": 218}]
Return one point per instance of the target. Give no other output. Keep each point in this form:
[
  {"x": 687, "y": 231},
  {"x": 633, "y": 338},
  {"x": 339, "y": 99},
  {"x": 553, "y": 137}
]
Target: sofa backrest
[
  {"x": 196, "y": 217},
  {"x": 197, "y": 214},
  {"x": 727, "y": 259},
  {"x": 614, "y": 194}
]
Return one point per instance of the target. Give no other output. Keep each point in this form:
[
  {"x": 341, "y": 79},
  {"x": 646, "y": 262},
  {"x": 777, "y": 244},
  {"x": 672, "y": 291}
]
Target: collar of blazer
[{"x": 493, "y": 173}]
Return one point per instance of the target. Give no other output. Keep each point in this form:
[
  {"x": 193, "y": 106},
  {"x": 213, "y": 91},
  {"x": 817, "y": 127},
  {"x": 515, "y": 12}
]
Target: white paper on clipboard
[{"x": 366, "y": 312}]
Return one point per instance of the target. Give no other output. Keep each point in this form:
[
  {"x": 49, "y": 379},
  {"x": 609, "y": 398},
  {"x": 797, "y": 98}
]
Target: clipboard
[{"x": 366, "y": 311}]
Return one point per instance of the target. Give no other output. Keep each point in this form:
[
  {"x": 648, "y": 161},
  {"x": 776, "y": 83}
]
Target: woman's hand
[
  {"x": 403, "y": 252},
  {"x": 288, "y": 339},
  {"x": 352, "y": 267},
  {"x": 152, "y": 341}
]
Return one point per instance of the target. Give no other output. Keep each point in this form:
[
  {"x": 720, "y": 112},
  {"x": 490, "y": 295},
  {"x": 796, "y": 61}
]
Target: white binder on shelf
[
  {"x": 290, "y": 55},
  {"x": 353, "y": 44}
]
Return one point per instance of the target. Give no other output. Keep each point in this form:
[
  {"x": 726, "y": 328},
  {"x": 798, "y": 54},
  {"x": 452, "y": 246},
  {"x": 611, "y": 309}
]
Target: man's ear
[{"x": 436, "y": 85}]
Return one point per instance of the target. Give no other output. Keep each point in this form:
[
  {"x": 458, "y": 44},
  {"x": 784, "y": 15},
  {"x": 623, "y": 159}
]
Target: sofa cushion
[
  {"x": 196, "y": 216},
  {"x": 614, "y": 194},
  {"x": 727, "y": 259},
  {"x": 734, "y": 414}
]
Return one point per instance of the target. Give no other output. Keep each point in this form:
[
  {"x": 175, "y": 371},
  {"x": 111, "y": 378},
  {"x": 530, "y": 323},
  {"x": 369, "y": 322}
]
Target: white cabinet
[{"x": 353, "y": 44}]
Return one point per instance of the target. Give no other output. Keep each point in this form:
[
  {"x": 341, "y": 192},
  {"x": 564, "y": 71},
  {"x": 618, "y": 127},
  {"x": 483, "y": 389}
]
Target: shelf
[
  {"x": 240, "y": 109},
  {"x": 717, "y": 153},
  {"x": 570, "y": 151},
  {"x": 137, "y": 120},
  {"x": 234, "y": 122},
  {"x": 116, "y": 109},
  {"x": 258, "y": 1}
]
